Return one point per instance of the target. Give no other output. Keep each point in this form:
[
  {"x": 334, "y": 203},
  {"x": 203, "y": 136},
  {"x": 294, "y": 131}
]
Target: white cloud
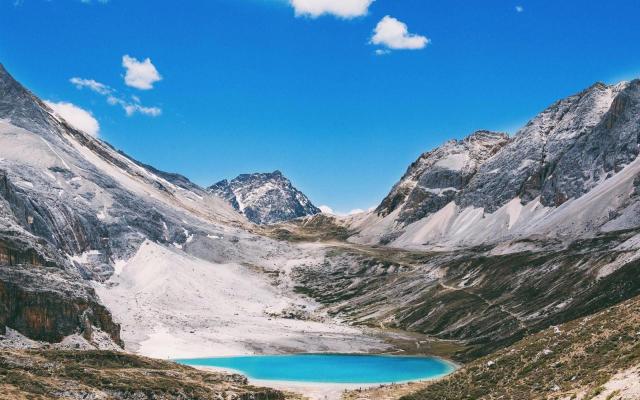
[
  {"x": 77, "y": 117},
  {"x": 326, "y": 209},
  {"x": 113, "y": 98},
  {"x": 137, "y": 108},
  {"x": 339, "y": 8},
  {"x": 131, "y": 108},
  {"x": 140, "y": 74},
  {"x": 97, "y": 87},
  {"x": 394, "y": 34},
  {"x": 519, "y": 9}
]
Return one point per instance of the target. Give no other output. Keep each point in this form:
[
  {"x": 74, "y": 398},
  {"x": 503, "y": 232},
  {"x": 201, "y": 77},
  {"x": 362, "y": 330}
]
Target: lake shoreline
[{"x": 331, "y": 390}]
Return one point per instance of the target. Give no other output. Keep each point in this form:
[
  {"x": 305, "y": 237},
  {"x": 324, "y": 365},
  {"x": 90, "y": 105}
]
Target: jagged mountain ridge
[
  {"x": 433, "y": 180},
  {"x": 569, "y": 173},
  {"x": 265, "y": 198},
  {"x": 71, "y": 173}
]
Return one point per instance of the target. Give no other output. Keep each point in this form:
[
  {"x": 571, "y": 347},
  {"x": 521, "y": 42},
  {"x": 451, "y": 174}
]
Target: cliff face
[
  {"x": 47, "y": 314},
  {"x": 45, "y": 302}
]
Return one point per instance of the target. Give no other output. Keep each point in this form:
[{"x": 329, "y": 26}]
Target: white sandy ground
[
  {"x": 625, "y": 385},
  {"x": 174, "y": 305},
  {"x": 313, "y": 391}
]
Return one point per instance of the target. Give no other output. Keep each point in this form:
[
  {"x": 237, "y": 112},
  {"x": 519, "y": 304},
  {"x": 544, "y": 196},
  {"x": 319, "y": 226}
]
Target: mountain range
[
  {"x": 568, "y": 174},
  {"x": 484, "y": 244}
]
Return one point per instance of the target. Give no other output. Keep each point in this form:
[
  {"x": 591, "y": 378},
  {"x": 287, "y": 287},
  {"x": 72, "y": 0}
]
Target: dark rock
[{"x": 46, "y": 304}]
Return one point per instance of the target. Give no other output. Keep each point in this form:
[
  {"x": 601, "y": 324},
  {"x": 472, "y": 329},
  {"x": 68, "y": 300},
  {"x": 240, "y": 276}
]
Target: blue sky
[{"x": 259, "y": 85}]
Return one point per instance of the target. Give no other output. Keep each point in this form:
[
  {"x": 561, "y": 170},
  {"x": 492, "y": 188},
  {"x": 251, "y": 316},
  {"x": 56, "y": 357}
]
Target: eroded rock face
[
  {"x": 565, "y": 152},
  {"x": 265, "y": 198},
  {"x": 437, "y": 176},
  {"x": 45, "y": 303},
  {"x": 46, "y": 300}
]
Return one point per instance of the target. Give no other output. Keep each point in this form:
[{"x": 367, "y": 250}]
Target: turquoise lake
[{"x": 330, "y": 368}]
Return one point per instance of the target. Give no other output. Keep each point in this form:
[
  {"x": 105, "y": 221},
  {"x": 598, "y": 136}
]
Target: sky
[{"x": 340, "y": 95}]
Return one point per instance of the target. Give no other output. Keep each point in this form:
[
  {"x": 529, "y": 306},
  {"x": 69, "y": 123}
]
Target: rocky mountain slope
[
  {"x": 569, "y": 173},
  {"x": 265, "y": 198},
  {"x": 70, "y": 208},
  {"x": 435, "y": 178},
  {"x": 83, "y": 227},
  {"x": 54, "y": 374},
  {"x": 595, "y": 357},
  {"x": 478, "y": 228},
  {"x": 591, "y": 358},
  {"x": 485, "y": 297}
]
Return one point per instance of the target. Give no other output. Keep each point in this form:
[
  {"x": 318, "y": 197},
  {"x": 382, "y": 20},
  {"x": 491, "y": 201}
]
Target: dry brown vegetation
[
  {"x": 570, "y": 361},
  {"x": 47, "y": 374}
]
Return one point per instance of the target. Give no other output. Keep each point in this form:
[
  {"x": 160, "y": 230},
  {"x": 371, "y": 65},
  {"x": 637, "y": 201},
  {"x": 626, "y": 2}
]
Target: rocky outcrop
[
  {"x": 435, "y": 179},
  {"x": 45, "y": 303},
  {"x": 45, "y": 299},
  {"x": 265, "y": 198},
  {"x": 563, "y": 152}
]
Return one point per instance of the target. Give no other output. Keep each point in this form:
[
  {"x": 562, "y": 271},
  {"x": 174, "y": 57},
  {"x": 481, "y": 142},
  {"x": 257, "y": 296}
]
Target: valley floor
[
  {"x": 178, "y": 303},
  {"x": 174, "y": 305}
]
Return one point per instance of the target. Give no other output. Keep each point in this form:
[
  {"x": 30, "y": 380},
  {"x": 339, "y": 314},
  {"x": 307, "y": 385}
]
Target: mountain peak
[
  {"x": 264, "y": 198},
  {"x": 436, "y": 176},
  {"x": 486, "y": 134},
  {"x": 21, "y": 107}
]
